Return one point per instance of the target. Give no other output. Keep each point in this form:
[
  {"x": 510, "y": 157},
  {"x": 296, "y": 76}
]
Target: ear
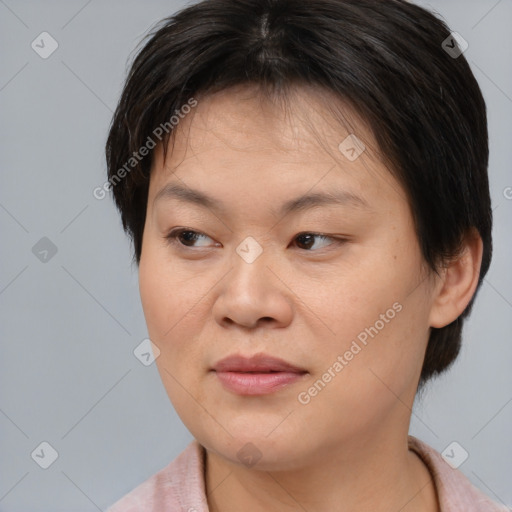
[{"x": 457, "y": 282}]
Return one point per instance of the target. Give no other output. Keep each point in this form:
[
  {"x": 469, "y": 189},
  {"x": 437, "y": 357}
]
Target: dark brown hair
[{"x": 388, "y": 59}]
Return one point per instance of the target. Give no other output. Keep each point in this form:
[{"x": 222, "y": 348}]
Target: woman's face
[{"x": 348, "y": 310}]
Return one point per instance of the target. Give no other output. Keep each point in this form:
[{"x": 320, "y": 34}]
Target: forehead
[
  {"x": 243, "y": 118},
  {"x": 239, "y": 138}
]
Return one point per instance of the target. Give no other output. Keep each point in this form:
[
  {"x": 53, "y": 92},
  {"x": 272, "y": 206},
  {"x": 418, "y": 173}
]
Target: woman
[{"x": 305, "y": 185}]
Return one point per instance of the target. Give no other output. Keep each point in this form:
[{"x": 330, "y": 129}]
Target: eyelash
[{"x": 172, "y": 238}]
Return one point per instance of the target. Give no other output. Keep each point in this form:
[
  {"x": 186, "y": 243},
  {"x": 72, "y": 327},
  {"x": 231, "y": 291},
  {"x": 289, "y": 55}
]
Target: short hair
[{"x": 388, "y": 60}]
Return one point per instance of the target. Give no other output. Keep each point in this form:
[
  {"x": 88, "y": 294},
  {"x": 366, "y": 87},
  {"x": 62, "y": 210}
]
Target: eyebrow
[{"x": 334, "y": 197}]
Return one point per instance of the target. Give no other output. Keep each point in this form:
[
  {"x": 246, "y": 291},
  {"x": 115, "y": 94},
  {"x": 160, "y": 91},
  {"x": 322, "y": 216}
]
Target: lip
[
  {"x": 261, "y": 363},
  {"x": 260, "y": 374}
]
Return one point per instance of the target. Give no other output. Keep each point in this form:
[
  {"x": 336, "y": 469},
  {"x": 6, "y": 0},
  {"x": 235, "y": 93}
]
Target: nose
[{"x": 253, "y": 295}]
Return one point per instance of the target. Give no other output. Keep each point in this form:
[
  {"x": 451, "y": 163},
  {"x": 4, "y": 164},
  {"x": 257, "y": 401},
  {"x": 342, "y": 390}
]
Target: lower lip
[{"x": 257, "y": 383}]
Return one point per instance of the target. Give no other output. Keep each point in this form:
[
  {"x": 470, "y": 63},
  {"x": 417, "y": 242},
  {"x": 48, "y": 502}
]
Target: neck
[{"x": 380, "y": 474}]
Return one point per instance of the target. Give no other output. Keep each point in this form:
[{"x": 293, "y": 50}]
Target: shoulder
[
  {"x": 178, "y": 487},
  {"x": 455, "y": 492}
]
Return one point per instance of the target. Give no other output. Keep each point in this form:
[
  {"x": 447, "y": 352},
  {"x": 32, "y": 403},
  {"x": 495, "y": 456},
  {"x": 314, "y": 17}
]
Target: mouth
[{"x": 257, "y": 375}]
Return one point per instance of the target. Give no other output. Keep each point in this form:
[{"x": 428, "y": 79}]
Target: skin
[{"x": 346, "y": 449}]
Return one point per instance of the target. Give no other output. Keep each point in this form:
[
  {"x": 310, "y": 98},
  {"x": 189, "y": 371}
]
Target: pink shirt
[{"x": 180, "y": 486}]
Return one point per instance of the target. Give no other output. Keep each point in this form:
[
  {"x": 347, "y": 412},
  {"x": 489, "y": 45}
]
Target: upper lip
[{"x": 257, "y": 363}]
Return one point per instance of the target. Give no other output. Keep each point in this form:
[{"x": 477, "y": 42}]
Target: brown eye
[
  {"x": 186, "y": 237},
  {"x": 307, "y": 240}
]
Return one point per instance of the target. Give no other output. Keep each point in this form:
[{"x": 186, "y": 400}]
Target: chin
[{"x": 258, "y": 450}]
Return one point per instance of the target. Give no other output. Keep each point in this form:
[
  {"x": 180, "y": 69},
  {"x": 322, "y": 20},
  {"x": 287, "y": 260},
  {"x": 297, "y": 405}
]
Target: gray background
[{"x": 69, "y": 325}]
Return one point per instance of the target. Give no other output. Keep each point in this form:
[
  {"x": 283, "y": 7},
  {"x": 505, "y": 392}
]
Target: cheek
[
  {"x": 377, "y": 376},
  {"x": 154, "y": 295},
  {"x": 378, "y": 323},
  {"x": 172, "y": 308},
  {"x": 391, "y": 357},
  {"x": 163, "y": 298},
  {"x": 168, "y": 318},
  {"x": 349, "y": 300}
]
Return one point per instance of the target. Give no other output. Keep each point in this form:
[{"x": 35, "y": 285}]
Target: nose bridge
[
  {"x": 251, "y": 291},
  {"x": 250, "y": 260},
  {"x": 250, "y": 250}
]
